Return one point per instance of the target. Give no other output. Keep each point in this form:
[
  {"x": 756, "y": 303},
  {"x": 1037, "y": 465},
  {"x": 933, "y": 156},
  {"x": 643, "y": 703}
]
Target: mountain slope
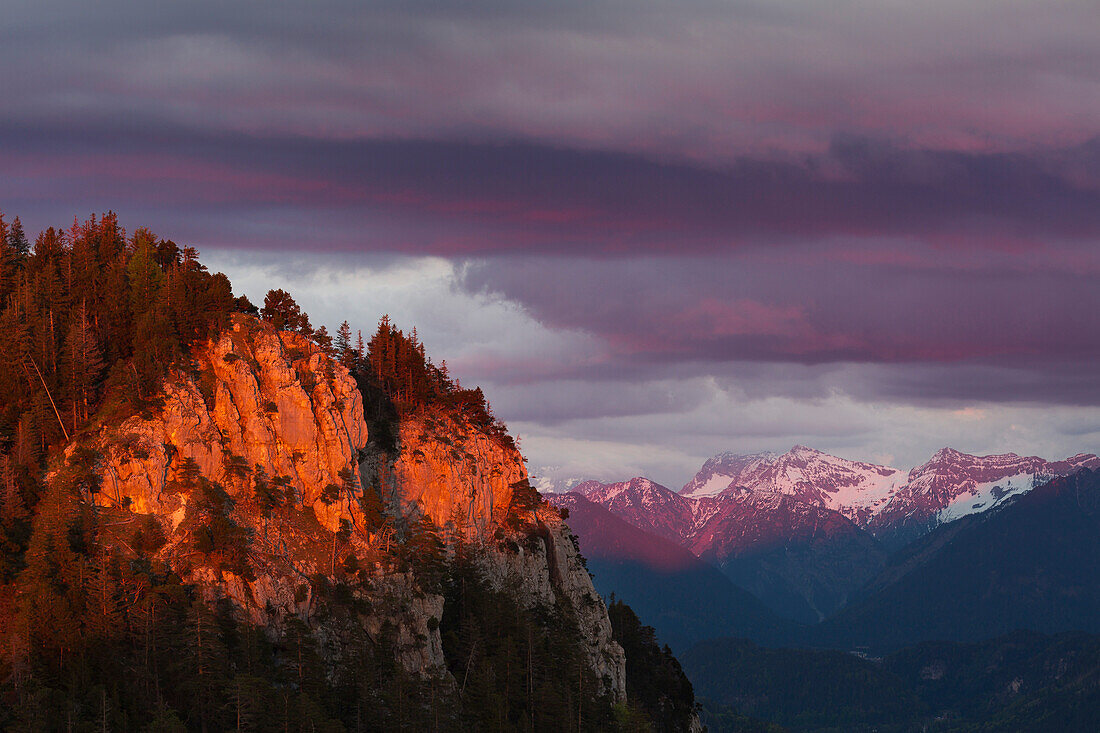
[
  {"x": 1033, "y": 563},
  {"x": 796, "y": 529},
  {"x": 682, "y": 597},
  {"x": 647, "y": 505},
  {"x": 952, "y": 484},
  {"x": 800, "y": 559}
]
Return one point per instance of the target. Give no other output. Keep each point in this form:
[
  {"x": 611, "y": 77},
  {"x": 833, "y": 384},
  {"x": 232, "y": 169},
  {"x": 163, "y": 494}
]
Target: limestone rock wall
[
  {"x": 415, "y": 616},
  {"x": 256, "y": 397},
  {"x": 460, "y": 477}
]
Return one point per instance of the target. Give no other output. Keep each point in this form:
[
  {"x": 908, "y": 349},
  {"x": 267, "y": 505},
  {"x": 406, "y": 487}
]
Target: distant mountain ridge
[
  {"x": 802, "y": 560},
  {"x": 949, "y": 485},
  {"x": 1029, "y": 563},
  {"x": 952, "y": 484},
  {"x": 803, "y": 530}
]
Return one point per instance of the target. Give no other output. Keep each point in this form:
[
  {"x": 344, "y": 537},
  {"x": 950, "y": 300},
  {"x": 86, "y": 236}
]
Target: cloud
[
  {"x": 463, "y": 199},
  {"x": 670, "y": 448},
  {"x": 652, "y": 230},
  {"x": 746, "y": 307},
  {"x": 702, "y": 79},
  {"x": 471, "y": 331}
]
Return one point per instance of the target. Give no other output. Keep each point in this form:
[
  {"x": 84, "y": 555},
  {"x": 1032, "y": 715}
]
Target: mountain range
[{"x": 803, "y": 531}]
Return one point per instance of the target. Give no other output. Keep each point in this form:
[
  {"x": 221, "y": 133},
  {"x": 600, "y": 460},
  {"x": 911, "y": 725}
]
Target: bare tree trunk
[{"x": 52, "y": 403}]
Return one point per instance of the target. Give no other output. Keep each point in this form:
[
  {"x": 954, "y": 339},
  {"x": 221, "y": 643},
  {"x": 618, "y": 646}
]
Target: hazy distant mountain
[
  {"x": 545, "y": 482},
  {"x": 671, "y": 589}
]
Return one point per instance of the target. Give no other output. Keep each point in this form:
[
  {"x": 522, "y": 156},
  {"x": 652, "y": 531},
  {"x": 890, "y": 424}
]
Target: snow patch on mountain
[
  {"x": 713, "y": 486},
  {"x": 985, "y": 496},
  {"x": 722, "y": 472},
  {"x": 547, "y": 484}
]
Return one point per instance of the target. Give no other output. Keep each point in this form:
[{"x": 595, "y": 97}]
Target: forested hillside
[
  {"x": 222, "y": 593},
  {"x": 91, "y": 320}
]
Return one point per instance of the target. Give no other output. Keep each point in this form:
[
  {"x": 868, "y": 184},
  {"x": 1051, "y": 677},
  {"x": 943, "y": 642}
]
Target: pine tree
[
  {"x": 14, "y": 521},
  {"x": 282, "y": 312},
  {"x": 8, "y": 264},
  {"x": 343, "y": 345},
  {"x": 360, "y": 350},
  {"x": 17, "y": 239},
  {"x": 203, "y": 660},
  {"x": 144, "y": 274},
  {"x": 51, "y": 589},
  {"x": 322, "y": 339}
]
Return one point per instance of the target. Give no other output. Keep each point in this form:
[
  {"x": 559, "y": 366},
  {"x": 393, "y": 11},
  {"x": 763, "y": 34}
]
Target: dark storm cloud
[
  {"x": 464, "y": 198},
  {"x": 668, "y": 77},
  {"x": 612, "y": 127}
]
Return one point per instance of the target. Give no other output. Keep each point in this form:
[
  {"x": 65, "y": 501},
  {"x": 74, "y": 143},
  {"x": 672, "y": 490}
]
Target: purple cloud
[{"x": 463, "y": 199}]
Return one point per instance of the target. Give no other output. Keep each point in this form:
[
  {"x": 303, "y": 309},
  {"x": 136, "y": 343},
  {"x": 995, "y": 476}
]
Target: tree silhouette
[{"x": 283, "y": 313}]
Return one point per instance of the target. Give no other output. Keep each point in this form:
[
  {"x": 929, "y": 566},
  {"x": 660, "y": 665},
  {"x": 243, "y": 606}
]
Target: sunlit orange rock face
[
  {"x": 256, "y": 398},
  {"x": 457, "y": 475}
]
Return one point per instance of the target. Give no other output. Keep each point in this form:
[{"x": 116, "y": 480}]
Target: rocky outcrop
[
  {"x": 256, "y": 398},
  {"x": 398, "y": 604},
  {"x": 463, "y": 480},
  {"x": 547, "y": 571}
]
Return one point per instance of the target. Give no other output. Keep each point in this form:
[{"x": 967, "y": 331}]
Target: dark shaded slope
[
  {"x": 802, "y": 561},
  {"x": 1034, "y": 564},
  {"x": 681, "y": 596}
]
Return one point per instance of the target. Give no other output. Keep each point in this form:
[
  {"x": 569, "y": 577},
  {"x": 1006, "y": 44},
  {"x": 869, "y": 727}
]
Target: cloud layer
[{"x": 652, "y": 230}]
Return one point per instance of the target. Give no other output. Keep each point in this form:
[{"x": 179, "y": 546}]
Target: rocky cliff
[
  {"x": 259, "y": 410},
  {"x": 254, "y": 400},
  {"x": 452, "y": 472},
  {"x": 464, "y": 481}
]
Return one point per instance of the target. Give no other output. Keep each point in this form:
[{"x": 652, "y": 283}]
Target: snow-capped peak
[
  {"x": 853, "y": 488},
  {"x": 953, "y": 484},
  {"x": 721, "y": 472}
]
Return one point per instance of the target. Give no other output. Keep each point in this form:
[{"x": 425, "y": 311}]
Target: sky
[{"x": 652, "y": 231}]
